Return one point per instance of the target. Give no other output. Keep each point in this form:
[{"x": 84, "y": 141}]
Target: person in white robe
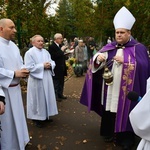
[
  {"x": 14, "y": 135},
  {"x": 139, "y": 118},
  {"x": 41, "y": 100}
]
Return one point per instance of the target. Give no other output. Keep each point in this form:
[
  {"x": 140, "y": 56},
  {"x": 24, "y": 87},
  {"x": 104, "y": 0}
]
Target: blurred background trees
[{"x": 74, "y": 18}]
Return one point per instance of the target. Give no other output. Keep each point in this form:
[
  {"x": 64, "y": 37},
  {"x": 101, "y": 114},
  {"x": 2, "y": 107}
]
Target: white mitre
[{"x": 123, "y": 19}]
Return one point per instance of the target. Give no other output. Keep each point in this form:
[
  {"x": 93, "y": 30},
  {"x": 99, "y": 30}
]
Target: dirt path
[{"x": 73, "y": 128}]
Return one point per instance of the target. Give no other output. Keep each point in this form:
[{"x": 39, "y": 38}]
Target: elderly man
[
  {"x": 14, "y": 133},
  {"x": 41, "y": 101},
  {"x": 57, "y": 53},
  {"x": 119, "y": 67}
]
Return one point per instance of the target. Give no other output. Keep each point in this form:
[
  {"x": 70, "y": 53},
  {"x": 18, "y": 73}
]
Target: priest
[
  {"x": 14, "y": 134},
  {"x": 41, "y": 100},
  {"x": 119, "y": 67}
]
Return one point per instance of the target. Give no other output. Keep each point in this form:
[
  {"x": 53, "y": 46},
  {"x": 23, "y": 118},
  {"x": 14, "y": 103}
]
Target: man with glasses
[{"x": 57, "y": 53}]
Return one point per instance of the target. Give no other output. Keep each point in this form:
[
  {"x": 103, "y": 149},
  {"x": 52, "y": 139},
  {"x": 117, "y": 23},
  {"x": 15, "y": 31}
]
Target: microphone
[{"x": 134, "y": 96}]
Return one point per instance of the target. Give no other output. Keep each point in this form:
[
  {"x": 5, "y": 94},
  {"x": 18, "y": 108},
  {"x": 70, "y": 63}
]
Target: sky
[
  {"x": 51, "y": 10},
  {"x": 52, "y": 7}
]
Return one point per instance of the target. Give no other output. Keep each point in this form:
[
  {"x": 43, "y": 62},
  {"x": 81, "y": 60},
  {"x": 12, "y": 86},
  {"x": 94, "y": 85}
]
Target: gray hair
[
  {"x": 57, "y": 35},
  {"x": 33, "y": 38}
]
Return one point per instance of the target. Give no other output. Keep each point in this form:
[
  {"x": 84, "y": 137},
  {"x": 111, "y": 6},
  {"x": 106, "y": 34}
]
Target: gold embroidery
[
  {"x": 89, "y": 71},
  {"x": 127, "y": 77}
]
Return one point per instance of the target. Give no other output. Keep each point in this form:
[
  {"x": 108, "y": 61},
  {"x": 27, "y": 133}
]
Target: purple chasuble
[{"x": 135, "y": 72}]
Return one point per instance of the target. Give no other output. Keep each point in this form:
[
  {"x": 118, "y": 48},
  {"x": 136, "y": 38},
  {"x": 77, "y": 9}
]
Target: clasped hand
[
  {"x": 47, "y": 65},
  {"x": 23, "y": 73}
]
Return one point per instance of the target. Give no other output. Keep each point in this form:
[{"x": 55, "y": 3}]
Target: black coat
[{"x": 58, "y": 56}]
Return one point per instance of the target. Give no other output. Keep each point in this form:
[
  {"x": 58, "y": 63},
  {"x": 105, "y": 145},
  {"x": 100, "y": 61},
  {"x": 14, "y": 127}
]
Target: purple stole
[
  {"x": 127, "y": 82},
  {"x": 92, "y": 99}
]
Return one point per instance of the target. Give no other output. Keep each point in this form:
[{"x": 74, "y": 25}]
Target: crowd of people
[
  {"x": 82, "y": 50},
  {"x": 122, "y": 65}
]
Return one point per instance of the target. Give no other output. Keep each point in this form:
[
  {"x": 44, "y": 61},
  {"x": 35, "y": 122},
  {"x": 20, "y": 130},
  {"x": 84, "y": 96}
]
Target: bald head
[
  {"x": 7, "y": 29},
  {"x": 4, "y": 21}
]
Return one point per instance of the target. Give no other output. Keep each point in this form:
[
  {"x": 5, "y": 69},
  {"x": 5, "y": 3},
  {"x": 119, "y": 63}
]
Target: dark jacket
[{"x": 58, "y": 56}]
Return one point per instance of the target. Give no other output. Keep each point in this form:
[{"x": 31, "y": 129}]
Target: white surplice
[
  {"x": 14, "y": 134},
  {"x": 113, "y": 90},
  {"x": 140, "y": 120},
  {"x": 41, "y": 100}
]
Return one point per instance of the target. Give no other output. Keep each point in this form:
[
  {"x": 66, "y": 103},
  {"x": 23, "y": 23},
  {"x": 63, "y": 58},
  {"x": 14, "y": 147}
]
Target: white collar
[
  {"x": 56, "y": 43},
  {"x": 4, "y": 40}
]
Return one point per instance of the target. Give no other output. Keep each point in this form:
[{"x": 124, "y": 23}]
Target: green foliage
[
  {"x": 80, "y": 18},
  {"x": 141, "y": 11},
  {"x": 32, "y": 18},
  {"x": 65, "y": 19},
  {"x": 74, "y": 18},
  {"x": 2, "y": 9}
]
